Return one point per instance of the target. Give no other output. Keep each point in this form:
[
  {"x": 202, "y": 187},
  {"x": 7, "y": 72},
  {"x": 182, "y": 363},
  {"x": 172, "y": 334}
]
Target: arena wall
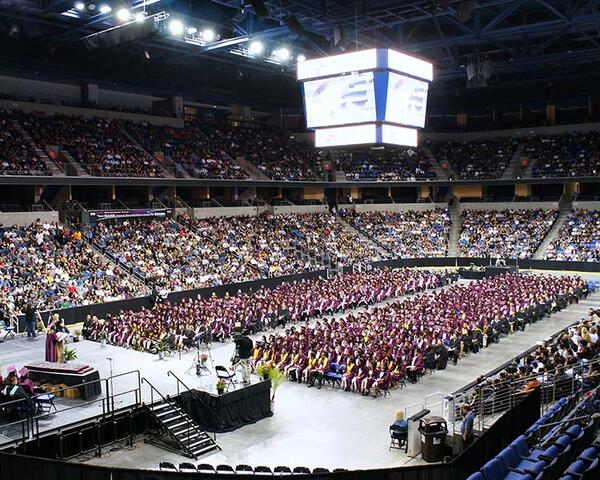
[
  {"x": 498, "y": 206},
  {"x": 27, "y": 218}
]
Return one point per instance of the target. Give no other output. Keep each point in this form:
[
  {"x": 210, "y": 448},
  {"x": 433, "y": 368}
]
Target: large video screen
[
  {"x": 340, "y": 100},
  {"x": 352, "y": 135},
  {"x": 398, "y": 135},
  {"x": 406, "y": 100},
  {"x": 336, "y": 64}
]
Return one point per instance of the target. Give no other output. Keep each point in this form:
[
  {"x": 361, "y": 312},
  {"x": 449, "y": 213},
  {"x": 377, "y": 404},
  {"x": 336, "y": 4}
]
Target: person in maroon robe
[{"x": 52, "y": 342}]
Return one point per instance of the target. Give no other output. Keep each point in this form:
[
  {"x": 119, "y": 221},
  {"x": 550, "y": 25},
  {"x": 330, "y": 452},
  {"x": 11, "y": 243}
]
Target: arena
[{"x": 353, "y": 240}]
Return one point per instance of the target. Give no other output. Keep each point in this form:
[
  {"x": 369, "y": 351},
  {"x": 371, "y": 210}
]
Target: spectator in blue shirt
[{"x": 466, "y": 427}]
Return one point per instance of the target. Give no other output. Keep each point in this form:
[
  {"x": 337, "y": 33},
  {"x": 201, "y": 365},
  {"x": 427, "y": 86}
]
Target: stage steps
[
  {"x": 513, "y": 169},
  {"x": 190, "y": 439}
]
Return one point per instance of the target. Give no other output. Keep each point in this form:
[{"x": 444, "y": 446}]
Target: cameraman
[{"x": 244, "y": 346}]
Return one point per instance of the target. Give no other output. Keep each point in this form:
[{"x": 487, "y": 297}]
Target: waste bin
[{"x": 433, "y": 431}]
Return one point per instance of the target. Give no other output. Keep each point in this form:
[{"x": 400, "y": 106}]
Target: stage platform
[{"x": 309, "y": 427}]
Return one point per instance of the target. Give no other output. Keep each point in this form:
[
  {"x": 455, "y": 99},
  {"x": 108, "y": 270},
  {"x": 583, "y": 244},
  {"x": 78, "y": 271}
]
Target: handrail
[{"x": 196, "y": 396}]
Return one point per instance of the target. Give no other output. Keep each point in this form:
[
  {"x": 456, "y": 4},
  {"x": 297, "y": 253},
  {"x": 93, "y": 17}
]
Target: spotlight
[
  {"x": 256, "y": 48},
  {"x": 80, "y": 6},
  {"x": 105, "y": 9},
  {"x": 124, "y": 15},
  {"x": 176, "y": 27},
  {"x": 208, "y": 35},
  {"x": 282, "y": 54},
  {"x": 192, "y": 30},
  {"x": 301, "y": 58},
  {"x": 140, "y": 17},
  {"x": 91, "y": 6}
]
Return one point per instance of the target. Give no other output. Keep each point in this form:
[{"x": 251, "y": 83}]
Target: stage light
[
  {"x": 208, "y": 35},
  {"x": 192, "y": 30},
  {"x": 124, "y": 15},
  {"x": 80, "y": 6},
  {"x": 105, "y": 9},
  {"x": 256, "y": 48},
  {"x": 91, "y": 6},
  {"x": 140, "y": 17},
  {"x": 301, "y": 58},
  {"x": 176, "y": 27},
  {"x": 282, "y": 54}
]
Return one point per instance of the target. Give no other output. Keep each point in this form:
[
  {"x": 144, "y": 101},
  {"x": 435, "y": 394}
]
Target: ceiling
[{"x": 508, "y": 42}]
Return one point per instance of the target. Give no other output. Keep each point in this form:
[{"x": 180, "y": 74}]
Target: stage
[{"x": 309, "y": 427}]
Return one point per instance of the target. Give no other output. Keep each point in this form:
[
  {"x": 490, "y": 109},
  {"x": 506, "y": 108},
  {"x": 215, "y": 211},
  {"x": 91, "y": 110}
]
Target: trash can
[{"x": 433, "y": 431}]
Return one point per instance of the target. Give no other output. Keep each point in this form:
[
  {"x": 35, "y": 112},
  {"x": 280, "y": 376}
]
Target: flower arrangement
[
  {"x": 203, "y": 358},
  {"x": 220, "y": 386},
  {"x": 69, "y": 354}
]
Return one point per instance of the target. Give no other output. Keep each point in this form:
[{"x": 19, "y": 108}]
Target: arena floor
[{"x": 327, "y": 428}]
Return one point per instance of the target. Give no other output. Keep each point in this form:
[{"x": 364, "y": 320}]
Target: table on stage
[
  {"x": 70, "y": 374},
  {"x": 236, "y": 408}
]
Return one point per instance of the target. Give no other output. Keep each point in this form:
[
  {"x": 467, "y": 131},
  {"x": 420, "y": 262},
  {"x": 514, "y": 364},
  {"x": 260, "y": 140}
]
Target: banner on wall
[{"x": 99, "y": 215}]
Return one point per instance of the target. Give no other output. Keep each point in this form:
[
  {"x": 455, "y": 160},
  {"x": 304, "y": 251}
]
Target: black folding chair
[{"x": 225, "y": 375}]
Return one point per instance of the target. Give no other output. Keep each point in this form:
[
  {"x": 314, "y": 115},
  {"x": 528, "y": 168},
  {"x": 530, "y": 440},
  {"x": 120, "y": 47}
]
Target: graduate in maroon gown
[{"x": 52, "y": 342}]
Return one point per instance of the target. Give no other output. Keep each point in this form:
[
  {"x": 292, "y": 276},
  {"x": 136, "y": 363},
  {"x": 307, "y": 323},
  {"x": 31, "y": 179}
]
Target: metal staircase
[
  {"x": 178, "y": 431},
  {"x": 50, "y": 165},
  {"x": 513, "y": 169},
  {"x": 248, "y": 167},
  {"x": 72, "y": 166}
]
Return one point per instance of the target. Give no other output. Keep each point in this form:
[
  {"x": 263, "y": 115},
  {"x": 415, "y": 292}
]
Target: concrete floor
[{"x": 309, "y": 427}]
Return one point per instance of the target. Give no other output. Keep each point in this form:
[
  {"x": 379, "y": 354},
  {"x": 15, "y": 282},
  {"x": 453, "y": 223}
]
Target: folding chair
[
  {"x": 45, "y": 402},
  {"x": 244, "y": 470},
  {"x": 187, "y": 467},
  {"x": 167, "y": 467},
  {"x": 8, "y": 329},
  {"x": 225, "y": 375}
]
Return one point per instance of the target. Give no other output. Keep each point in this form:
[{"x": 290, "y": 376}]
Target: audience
[
  {"x": 17, "y": 155},
  {"x": 578, "y": 238},
  {"x": 504, "y": 234},
  {"x": 383, "y": 345},
  {"x": 475, "y": 159},
  {"x": 51, "y": 267},
  {"x": 407, "y": 234},
  {"x": 568, "y": 155},
  {"x": 388, "y": 165},
  {"x": 215, "y": 318},
  {"x": 169, "y": 255}
]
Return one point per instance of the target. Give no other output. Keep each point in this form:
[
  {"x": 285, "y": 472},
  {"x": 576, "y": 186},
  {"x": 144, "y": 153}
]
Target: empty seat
[
  {"x": 167, "y": 467},
  {"x": 244, "y": 470},
  {"x": 225, "y": 469},
  {"x": 263, "y": 469},
  {"x": 301, "y": 470},
  {"x": 187, "y": 467},
  {"x": 283, "y": 470},
  {"x": 205, "y": 468}
]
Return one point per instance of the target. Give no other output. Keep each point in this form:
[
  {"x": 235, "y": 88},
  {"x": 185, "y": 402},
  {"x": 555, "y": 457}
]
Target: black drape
[{"x": 230, "y": 411}]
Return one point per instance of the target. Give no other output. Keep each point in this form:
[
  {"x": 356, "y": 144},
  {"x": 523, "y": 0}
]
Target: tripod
[{"x": 198, "y": 364}]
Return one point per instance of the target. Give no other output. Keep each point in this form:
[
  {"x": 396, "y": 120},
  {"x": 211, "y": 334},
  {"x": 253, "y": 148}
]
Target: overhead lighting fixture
[
  {"x": 91, "y": 6},
  {"x": 105, "y": 9},
  {"x": 282, "y": 54},
  {"x": 192, "y": 30},
  {"x": 124, "y": 15},
  {"x": 80, "y": 6},
  {"x": 256, "y": 47},
  {"x": 176, "y": 27},
  {"x": 301, "y": 58},
  {"x": 208, "y": 35},
  {"x": 140, "y": 17}
]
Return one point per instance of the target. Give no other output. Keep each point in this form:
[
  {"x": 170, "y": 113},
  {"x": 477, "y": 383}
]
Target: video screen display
[
  {"x": 352, "y": 135},
  {"x": 340, "y": 100},
  {"x": 398, "y": 135},
  {"x": 406, "y": 100},
  {"x": 336, "y": 64}
]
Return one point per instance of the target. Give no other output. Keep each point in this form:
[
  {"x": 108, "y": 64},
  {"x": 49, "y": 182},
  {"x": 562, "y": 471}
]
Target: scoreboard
[{"x": 374, "y": 96}]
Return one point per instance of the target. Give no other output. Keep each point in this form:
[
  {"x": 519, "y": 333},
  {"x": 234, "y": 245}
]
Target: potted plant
[
  {"x": 103, "y": 339},
  {"x": 263, "y": 370},
  {"x": 277, "y": 377},
  {"x": 220, "y": 386},
  {"x": 161, "y": 349},
  {"x": 69, "y": 355}
]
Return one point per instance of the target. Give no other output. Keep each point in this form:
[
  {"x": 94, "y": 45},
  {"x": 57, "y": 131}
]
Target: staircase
[
  {"x": 564, "y": 207},
  {"x": 50, "y": 165},
  {"x": 513, "y": 169},
  {"x": 456, "y": 220},
  {"x": 73, "y": 165},
  {"x": 385, "y": 253},
  {"x": 340, "y": 176},
  {"x": 248, "y": 167},
  {"x": 440, "y": 173},
  {"x": 163, "y": 170}
]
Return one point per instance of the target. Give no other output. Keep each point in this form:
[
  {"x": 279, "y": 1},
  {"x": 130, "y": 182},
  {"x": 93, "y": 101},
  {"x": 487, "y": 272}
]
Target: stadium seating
[
  {"x": 390, "y": 165},
  {"x": 17, "y": 155},
  {"x": 578, "y": 238}
]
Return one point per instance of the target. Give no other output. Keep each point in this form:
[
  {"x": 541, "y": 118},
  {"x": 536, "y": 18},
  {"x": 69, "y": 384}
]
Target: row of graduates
[{"x": 380, "y": 346}]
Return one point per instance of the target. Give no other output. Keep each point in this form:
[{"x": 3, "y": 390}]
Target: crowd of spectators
[
  {"x": 475, "y": 159},
  {"x": 100, "y": 145},
  {"x": 169, "y": 255},
  {"x": 17, "y": 154},
  {"x": 407, "y": 234},
  {"x": 215, "y": 318},
  {"x": 51, "y": 267},
  {"x": 380, "y": 346},
  {"x": 388, "y": 165},
  {"x": 568, "y": 155},
  {"x": 578, "y": 238},
  {"x": 504, "y": 234},
  {"x": 261, "y": 241}
]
